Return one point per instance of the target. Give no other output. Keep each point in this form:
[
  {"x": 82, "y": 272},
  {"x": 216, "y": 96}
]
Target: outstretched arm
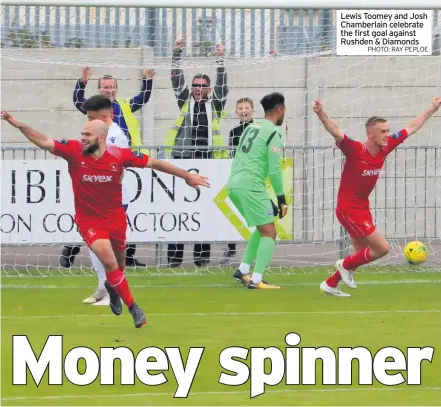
[
  {"x": 220, "y": 90},
  {"x": 194, "y": 180},
  {"x": 329, "y": 124},
  {"x": 419, "y": 121},
  {"x": 80, "y": 87},
  {"x": 34, "y": 136},
  {"x": 180, "y": 88},
  {"x": 138, "y": 101}
]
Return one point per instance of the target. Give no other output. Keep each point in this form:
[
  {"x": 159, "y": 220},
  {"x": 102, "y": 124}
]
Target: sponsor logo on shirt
[
  {"x": 277, "y": 149},
  {"x": 397, "y": 135},
  {"x": 371, "y": 173},
  {"x": 97, "y": 178},
  {"x": 138, "y": 154}
]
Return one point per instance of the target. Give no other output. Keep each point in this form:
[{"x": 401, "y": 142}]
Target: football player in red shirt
[
  {"x": 96, "y": 170},
  {"x": 363, "y": 166}
]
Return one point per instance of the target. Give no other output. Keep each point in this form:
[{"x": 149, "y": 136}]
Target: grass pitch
[{"x": 212, "y": 311}]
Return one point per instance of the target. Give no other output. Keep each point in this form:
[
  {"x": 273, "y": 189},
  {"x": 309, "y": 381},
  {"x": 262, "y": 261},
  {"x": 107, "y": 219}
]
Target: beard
[
  {"x": 280, "y": 121},
  {"x": 92, "y": 148}
]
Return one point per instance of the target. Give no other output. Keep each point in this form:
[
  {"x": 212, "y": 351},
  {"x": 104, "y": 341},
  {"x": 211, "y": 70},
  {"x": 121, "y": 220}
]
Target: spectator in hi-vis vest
[
  {"x": 196, "y": 126},
  {"x": 123, "y": 115}
]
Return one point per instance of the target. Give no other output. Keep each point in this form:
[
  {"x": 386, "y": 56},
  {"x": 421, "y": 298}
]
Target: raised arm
[
  {"x": 329, "y": 124},
  {"x": 180, "y": 88},
  {"x": 143, "y": 97},
  {"x": 34, "y": 136},
  {"x": 80, "y": 88},
  {"x": 220, "y": 90},
  {"x": 419, "y": 121}
]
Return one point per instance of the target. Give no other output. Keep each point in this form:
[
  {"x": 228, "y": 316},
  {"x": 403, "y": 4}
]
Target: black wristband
[{"x": 281, "y": 200}]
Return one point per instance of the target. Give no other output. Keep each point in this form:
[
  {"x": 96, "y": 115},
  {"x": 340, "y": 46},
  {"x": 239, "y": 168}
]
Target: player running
[
  {"x": 96, "y": 171},
  {"x": 363, "y": 166},
  {"x": 258, "y": 157},
  {"x": 99, "y": 107}
]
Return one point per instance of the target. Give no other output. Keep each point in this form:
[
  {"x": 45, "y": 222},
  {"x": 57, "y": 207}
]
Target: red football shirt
[
  {"x": 361, "y": 171},
  {"x": 96, "y": 182}
]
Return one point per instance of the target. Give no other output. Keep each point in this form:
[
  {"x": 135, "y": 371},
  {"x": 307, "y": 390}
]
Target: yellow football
[{"x": 415, "y": 252}]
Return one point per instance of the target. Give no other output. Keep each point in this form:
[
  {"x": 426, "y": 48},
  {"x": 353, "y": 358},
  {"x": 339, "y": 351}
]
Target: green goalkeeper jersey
[{"x": 258, "y": 156}]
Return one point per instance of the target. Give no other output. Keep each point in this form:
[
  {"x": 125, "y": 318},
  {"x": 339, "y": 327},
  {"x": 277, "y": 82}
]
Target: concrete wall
[{"x": 37, "y": 86}]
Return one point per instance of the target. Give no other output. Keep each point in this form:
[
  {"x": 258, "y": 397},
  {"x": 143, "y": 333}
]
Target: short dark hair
[
  {"x": 271, "y": 101},
  {"x": 374, "y": 120},
  {"x": 202, "y": 76},
  {"x": 245, "y": 100},
  {"x": 106, "y": 77},
  {"x": 97, "y": 102}
]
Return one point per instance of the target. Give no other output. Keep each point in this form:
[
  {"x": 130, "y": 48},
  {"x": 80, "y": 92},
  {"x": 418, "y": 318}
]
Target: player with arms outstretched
[
  {"x": 96, "y": 170},
  {"x": 99, "y": 107},
  {"x": 258, "y": 157},
  {"x": 363, "y": 165}
]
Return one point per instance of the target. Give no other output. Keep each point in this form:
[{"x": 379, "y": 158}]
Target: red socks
[
  {"x": 118, "y": 282},
  {"x": 357, "y": 260},
  {"x": 350, "y": 263},
  {"x": 334, "y": 280}
]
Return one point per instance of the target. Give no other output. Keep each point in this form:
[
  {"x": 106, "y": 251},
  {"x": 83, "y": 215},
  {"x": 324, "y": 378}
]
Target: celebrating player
[
  {"x": 364, "y": 163},
  {"x": 96, "y": 171},
  {"x": 258, "y": 156},
  {"x": 99, "y": 107},
  {"x": 123, "y": 115}
]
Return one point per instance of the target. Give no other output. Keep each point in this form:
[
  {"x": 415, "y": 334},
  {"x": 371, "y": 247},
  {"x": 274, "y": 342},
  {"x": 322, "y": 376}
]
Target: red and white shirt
[
  {"x": 96, "y": 182},
  {"x": 361, "y": 171}
]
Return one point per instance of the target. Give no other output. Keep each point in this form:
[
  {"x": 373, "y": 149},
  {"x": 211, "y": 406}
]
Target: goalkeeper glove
[{"x": 282, "y": 206}]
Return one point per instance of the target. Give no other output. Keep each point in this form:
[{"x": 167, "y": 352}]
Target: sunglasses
[{"x": 199, "y": 85}]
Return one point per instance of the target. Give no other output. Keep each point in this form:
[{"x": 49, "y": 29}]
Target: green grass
[{"x": 211, "y": 311}]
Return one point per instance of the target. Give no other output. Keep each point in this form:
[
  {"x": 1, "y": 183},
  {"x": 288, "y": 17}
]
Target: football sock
[
  {"x": 357, "y": 260},
  {"x": 257, "y": 278},
  {"x": 244, "y": 268},
  {"x": 99, "y": 268},
  {"x": 251, "y": 250},
  {"x": 334, "y": 280},
  {"x": 264, "y": 253},
  {"x": 118, "y": 282}
]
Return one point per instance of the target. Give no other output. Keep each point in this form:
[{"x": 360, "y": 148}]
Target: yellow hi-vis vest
[
  {"x": 215, "y": 129},
  {"x": 132, "y": 124}
]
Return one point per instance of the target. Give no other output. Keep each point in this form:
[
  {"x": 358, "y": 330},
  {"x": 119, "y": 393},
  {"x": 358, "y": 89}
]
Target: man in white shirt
[{"x": 100, "y": 107}]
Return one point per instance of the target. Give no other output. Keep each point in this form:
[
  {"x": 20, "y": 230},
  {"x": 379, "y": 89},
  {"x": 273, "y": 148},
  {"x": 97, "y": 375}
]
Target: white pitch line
[
  {"x": 213, "y": 314},
  {"x": 75, "y": 287},
  {"x": 220, "y": 393}
]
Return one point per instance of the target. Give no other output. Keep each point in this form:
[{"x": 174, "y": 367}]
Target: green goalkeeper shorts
[{"x": 254, "y": 206}]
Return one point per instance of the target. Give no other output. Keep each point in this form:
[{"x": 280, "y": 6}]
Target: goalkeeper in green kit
[{"x": 258, "y": 156}]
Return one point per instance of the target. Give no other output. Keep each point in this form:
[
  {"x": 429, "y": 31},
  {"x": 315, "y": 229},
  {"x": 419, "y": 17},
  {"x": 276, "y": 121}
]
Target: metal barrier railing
[{"x": 405, "y": 203}]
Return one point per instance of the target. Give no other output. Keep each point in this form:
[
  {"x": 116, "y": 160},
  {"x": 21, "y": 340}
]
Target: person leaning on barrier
[
  {"x": 196, "y": 126},
  {"x": 123, "y": 115}
]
